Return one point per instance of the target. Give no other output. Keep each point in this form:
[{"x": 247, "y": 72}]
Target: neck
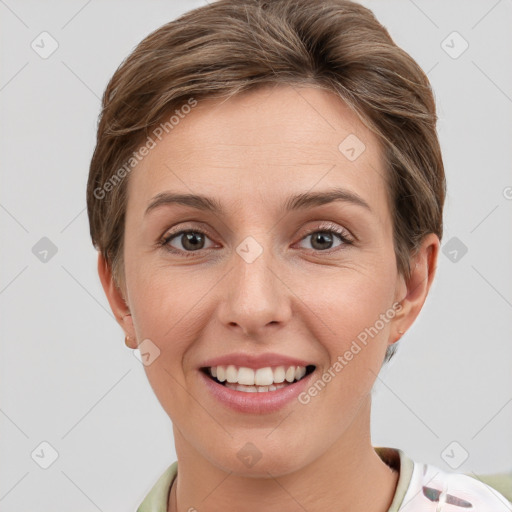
[{"x": 350, "y": 476}]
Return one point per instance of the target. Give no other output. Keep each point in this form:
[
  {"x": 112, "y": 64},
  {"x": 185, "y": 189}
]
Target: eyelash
[{"x": 324, "y": 228}]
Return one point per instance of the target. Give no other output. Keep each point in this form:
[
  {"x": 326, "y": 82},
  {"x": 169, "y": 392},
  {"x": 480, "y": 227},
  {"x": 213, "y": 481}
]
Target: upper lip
[{"x": 254, "y": 361}]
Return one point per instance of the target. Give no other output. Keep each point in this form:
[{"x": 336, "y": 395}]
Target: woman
[{"x": 266, "y": 196}]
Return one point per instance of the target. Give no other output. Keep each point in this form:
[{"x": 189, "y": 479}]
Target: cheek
[
  {"x": 169, "y": 310},
  {"x": 350, "y": 318},
  {"x": 164, "y": 299},
  {"x": 166, "y": 308},
  {"x": 350, "y": 313}
]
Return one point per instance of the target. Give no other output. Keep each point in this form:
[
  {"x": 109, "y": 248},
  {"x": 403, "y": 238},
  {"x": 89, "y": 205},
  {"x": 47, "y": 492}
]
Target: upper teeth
[{"x": 260, "y": 377}]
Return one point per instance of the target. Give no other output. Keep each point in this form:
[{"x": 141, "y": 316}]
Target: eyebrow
[{"x": 297, "y": 202}]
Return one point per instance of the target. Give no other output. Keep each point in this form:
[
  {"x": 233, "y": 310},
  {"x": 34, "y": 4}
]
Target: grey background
[{"x": 67, "y": 377}]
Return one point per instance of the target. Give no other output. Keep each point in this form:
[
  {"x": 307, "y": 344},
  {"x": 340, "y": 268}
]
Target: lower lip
[{"x": 257, "y": 403}]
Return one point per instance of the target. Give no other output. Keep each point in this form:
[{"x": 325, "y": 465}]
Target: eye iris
[
  {"x": 322, "y": 237},
  {"x": 195, "y": 239}
]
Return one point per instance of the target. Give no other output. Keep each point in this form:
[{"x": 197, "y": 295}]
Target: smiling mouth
[{"x": 260, "y": 380}]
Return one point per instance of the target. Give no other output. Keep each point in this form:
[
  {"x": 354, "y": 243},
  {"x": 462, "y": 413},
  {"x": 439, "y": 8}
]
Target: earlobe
[
  {"x": 129, "y": 339},
  {"x": 116, "y": 300}
]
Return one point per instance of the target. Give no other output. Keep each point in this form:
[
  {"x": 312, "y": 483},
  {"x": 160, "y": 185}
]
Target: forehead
[{"x": 267, "y": 144}]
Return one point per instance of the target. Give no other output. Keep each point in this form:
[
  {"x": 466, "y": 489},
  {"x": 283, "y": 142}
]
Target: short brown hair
[{"x": 231, "y": 46}]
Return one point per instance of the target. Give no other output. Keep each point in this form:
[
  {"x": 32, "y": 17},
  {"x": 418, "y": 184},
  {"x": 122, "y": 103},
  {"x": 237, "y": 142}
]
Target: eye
[
  {"x": 189, "y": 240},
  {"x": 322, "y": 239}
]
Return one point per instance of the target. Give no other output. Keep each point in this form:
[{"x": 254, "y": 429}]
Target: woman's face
[{"x": 265, "y": 274}]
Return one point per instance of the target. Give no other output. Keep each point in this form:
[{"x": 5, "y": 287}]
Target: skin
[{"x": 250, "y": 153}]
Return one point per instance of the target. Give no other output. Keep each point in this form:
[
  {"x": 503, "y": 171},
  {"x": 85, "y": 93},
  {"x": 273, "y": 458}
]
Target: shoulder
[{"x": 450, "y": 492}]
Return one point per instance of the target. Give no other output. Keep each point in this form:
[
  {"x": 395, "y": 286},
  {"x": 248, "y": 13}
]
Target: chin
[{"x": 260, "y": 458}]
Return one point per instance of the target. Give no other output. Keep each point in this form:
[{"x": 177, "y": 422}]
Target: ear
[
  {"x": 423, "y": 270},
  {"x": 116, "y": 300}
]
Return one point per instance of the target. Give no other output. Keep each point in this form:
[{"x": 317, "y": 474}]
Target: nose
[{"x": 256, "y": 297}]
